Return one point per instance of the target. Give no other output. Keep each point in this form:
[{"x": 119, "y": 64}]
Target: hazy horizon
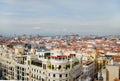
[{"x": 54, "y": 17}]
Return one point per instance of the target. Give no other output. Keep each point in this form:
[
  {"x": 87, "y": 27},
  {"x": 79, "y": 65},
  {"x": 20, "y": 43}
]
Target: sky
[{"x": 53, "y": 17}]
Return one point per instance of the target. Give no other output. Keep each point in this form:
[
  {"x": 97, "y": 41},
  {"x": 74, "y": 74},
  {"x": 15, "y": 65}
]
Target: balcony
[{"x": 58, "y": 68}]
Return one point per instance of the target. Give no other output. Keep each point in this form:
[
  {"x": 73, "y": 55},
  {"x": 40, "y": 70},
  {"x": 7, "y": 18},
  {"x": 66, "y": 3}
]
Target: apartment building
[
  {"x": 44, "y": 65},
  {"x": 113, "y": 69},
  {"x": 89, "y": 69}
]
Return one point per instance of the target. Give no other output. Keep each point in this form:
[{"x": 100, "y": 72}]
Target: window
[
  {"x": 18, "y": 77},
  {"x": 39, "y": 77},
  {"x": 44, "y": 66},
  {"x": 53, "y": 75},
  {"x": 66, "y": 75},
  {"x": 22, "y": 73},
  {"x": 39, "y": 56},
  {"x": 39, "y": 71},
  {"x": 43, "y": 72},
  {"x": 52, "y": 66},
  {"x": 27, "y": 79},
  {"x": 22, "y": 78},
  {"x": 17, "y": 72},
  {"x": 28, "y": 62},
  {"x": 34, "y": 75},
  {"x": 43, "y": 79},
  {"x": 22, "y": 69},
  {"x": 49, "y": 74},
  {"x": 17, "y": 67},
  {"x": 60, "y": 75},
  {"x": 59, "y": 67}
]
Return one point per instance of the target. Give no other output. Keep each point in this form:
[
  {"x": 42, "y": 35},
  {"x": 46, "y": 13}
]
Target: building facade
[{"x": 43, "y": 65}]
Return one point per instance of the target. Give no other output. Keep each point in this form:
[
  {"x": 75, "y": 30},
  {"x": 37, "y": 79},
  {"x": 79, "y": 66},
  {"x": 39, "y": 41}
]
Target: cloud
[
  {"x": 59, "y": 16},
  {"x": 56, "y": 21},
  {"x": 7, "y": 1}
]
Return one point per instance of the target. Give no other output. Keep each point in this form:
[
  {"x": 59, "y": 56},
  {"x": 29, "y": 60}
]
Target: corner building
[{"x": 40, "y": 66}]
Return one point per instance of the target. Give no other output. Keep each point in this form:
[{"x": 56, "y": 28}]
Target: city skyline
[{"x": 60, "y": 17}]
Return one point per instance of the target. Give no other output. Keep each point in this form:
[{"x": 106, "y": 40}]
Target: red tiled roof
[
  {"x": 58, "y": 57},
  {"x": 71, "y": 55}
]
